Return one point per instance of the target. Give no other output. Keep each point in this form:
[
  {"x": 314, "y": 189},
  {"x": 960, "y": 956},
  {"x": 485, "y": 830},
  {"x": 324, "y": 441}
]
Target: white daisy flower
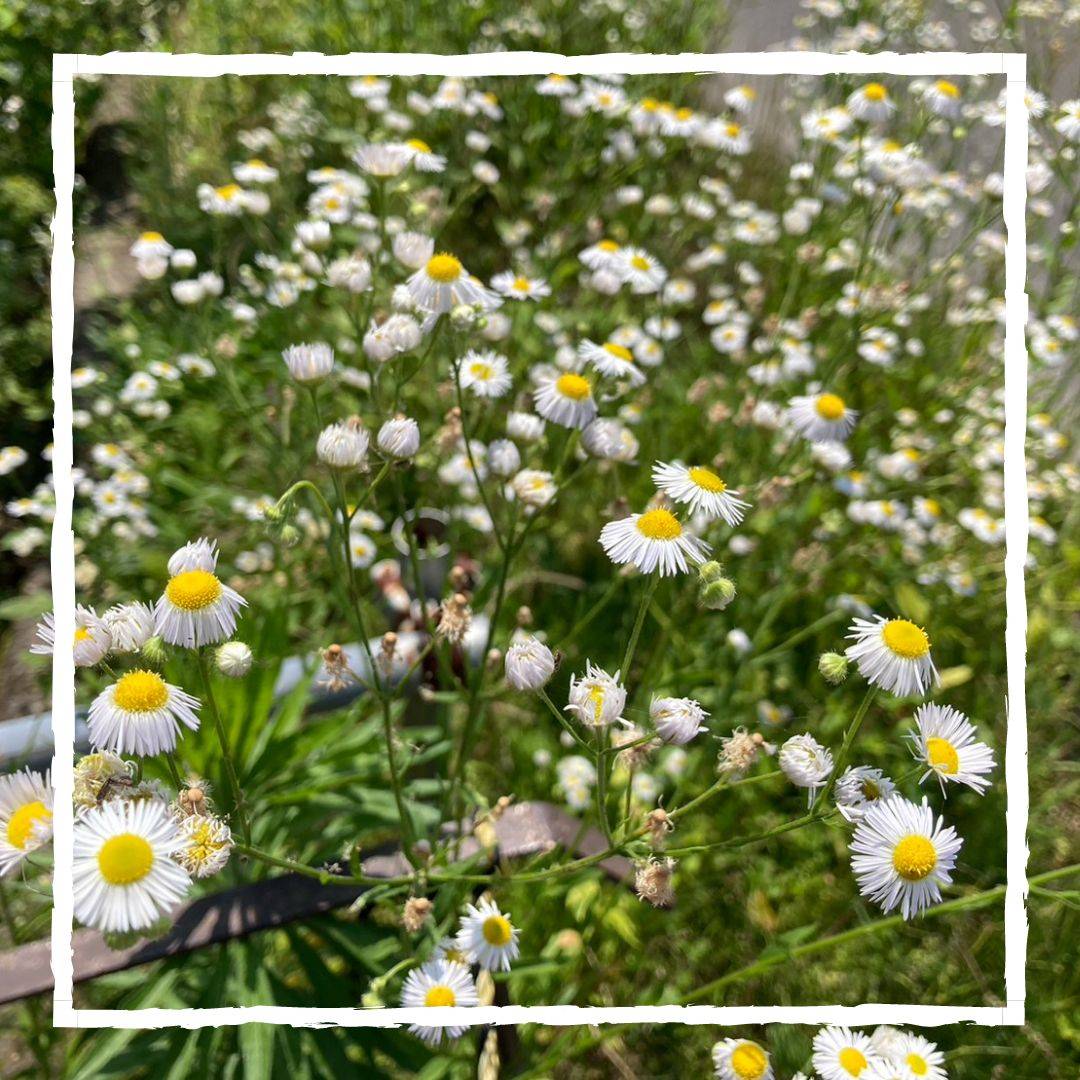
[
  {"x": 614, "y": 361},
  {"x": 207, "y": 845},
  {"x": 893, "y": 654},
  {"x": 700, "y": 489},
  {"x": 422, "y": 157},
  {"x": 141, "y": 714},
  {"x": 519, "y": 286},
  {"x": 901, "y": 855},
  {"x": 383, "y": 159},
  {"x": 442, "y": 283},
  {"x": 124, "y": 875},
  {"x": 130, "y": 626},
  {"x": 870, "y": 102},
  {"x": 677, "y": 720},
  {"x": 643, "y": 272},
  {"x": 487, "y": 936},
  {"x": 529, "y": 663},
  {"x": 610, "y": 439},
  {"x": 741, "y": 1059},
  {"x": 806, "y": 763},
  {"x": 439, "y": 983},
  {"x": 566, "y": 399},
  {"x": 196, "y": 608},
  {"x": 859, "y": 788},
  {"x": 26, "y": 811},
  {"x": 597, "y": 699},
  {"x": 343, "y": 445},
  {"x": 369, "y": 86},
  {"x": 947, "y": 742},
  {"x": 605, "y": 256},
  {"x": 150, "y": 245},
  {"x": 943, "y": 98},
  {"x": 652, "y": 541},
  {"x": 821, "y": 417},
  {"x": 921, "y": 1058},
  {"x": 534, "y": 487},
  {"x": 840, "y": 1054},
  {"x": 399, "y": 437},
  {"x": 92, "y": 639},
  {"x": 309, "y": 363},
  {"x": 362, "y": 549},
  {"x": 486, "y": 374}
]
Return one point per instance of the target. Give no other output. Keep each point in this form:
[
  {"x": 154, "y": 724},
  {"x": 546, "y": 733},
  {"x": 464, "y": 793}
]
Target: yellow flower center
[
  {"x": 684, "y": 113},
  {"x": 942, "y": 755},
  {"x": 639, "y": 262},
  {"x": 193, "y": 590},
  {"x": 82, "y": 634},
  {"x": 932, "y": 506},
  {"x": 228, "y": 192},
  {"x": 914, "y": 857},
  {"x": 659, "y": 525},
  {"x": 917, "y": 1064},
  {"x": 748, "y": 92},
  {"x": 140, "y": 691},
  {"x": 152, "y": 237},
  {"x": 573, "y": 386},
  {"x": 257, "y": 163},
  {"x": 830, "y": 407},
  {"x": 444, "y": 268},
  {"x": 440, "y": 996},
  {"x": 497, "y": 930},
  {"x": 905, "y": 639},
  {"x": 125, "y": 859},
  {"x": 619, "y": 351},
  {"x": 333, "y": 203},
  {"x": 749, "y": 1061},
  {"x": 852, "y": 1061},
  {"x": 706, "y": 479},
  {"x": 481, "y": 371},
  {"x": 943, "y": 86},
  {"x": 608, "y": 246},
  {"x": 21, "y": 824},
  {"x": 455, "y": 956},
  {"x": 732, "y": 130},
  {"x": 202, "y": 844},
  {"x": 521, "y": 284},
  {"x": 419, "y": 144},
  {"x": 596, "y": 696},
  {"x": 875, "y": 92}
]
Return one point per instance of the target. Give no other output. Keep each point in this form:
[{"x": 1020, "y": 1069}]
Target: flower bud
[
  {"x": 153, "y": 650},
  {"x": 718, "y": 594},
  {"x": 233, "y": 659},
  {"x": 833, "y": 667},
  {"x": 709, "y": 572}
]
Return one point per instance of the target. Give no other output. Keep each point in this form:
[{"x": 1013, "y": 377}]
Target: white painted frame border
[{"x": 1013, "y": 65}]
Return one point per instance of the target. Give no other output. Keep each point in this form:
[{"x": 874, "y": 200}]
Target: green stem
[
  {"x": 845, "y": 747},
  {"x": 223, "y": 742}
]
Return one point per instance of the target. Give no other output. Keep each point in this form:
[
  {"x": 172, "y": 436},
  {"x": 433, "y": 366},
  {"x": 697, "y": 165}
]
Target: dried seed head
[
  {"x": 653, "y": 881},
  {"x": 659, "y": 824},
  {"x": 415, "y": 913},
  {"x": 738, "y": 751}
]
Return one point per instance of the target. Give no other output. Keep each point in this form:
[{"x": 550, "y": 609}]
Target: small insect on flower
[
  {"x": 439, "y": 983},
  {"x": 655, "y": 540},
  {"x": 141, "y": 714},
  {"x": 840, "y": 1053},
  {"x": 92, "y": 640},
  {"x": 741, "y": 1059},
  {"x": 677, "y": 720},
  {"x": 443, "y": 284},
  {"x": 487, "y": 936},
  {"x": 529, "y": 663},
  {"x": 196, "y": 608},
  {"x": 566, "y": 399},
  {"x": 124, "y": 872},
  {"x": 947, "y": 742},
  {"x": 893, "y": 654},
  {"x": 309, "y": 363},
  {"x": 26, "y": 811},
  {"x": 700, "y": 489},
  {"x": 901, "y": 855},
  {"x": 821, "y": 417},
  {"x": 598, "y": 698}
]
